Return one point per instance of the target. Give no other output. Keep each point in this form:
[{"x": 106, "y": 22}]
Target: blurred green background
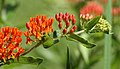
[{"x": 17, "y": 12}]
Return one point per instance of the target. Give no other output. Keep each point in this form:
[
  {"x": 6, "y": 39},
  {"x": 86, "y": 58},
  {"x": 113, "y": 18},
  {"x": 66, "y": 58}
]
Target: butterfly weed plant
[{"x": 39, "y": 30}]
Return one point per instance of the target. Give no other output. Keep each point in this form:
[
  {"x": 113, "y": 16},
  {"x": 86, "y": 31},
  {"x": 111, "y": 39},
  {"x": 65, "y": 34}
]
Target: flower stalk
[{"x": 26, "y": 52}]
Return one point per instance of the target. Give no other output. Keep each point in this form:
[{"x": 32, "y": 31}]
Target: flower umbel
[
  {"x": 37, "y": 27},
  {"x": 92, "y": 8},
  {"x": 102, "y": 26},
  {"x": 10, "y": 40}
]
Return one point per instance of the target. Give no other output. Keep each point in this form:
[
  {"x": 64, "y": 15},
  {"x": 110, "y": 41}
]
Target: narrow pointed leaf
[
  {"x": 68, "y": 59},
  {"x": 82, "y": 40},
  {"x": 69, "y": 38},
  {"x": 92, "y": 23}
]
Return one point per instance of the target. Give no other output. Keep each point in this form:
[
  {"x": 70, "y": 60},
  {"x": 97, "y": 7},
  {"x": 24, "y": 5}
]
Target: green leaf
[
  {"x": 68, "y": 59},
  {"x": 84, "y": 52},
  {"x": 82, "y": 40},
  {"x": 48, "y": 42},
  {"x": 69, "y": 38},
  {"x": 24, "y": 60},
  {"x": 28, "y": 60},
  {"x": 56, "y": 35},
  {"x": 92, "y": 23}
]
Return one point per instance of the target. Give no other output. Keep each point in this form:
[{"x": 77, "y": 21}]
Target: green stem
[
  {"x": 79, "y": 32},
  {"x": 108, "y": 39},
  {"x": 26, "y": 52},
  {"x": 2, "y": 4},
  {"x": 1, "y": 67}
]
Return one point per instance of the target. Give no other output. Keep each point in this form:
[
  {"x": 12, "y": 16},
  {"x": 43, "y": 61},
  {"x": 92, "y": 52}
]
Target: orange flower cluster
[
  {"x": 10, "y": 39},
  {"x": 92, "y": 8},
  {"x": 37, "y": 27}
]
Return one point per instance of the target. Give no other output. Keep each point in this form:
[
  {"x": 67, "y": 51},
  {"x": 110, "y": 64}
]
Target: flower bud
[
  {"x": 51, "y": 21},
  {"x": 91, "y": 16},
  {"x": 67, "y": 14},
  {"x": 81, "y": 15},
  {"x": 60, "y": 25},
  {"x": 60, "y": 19},
  {"x": 60, "y": 14},
  {"x": 74, "y": 27},
  {"x": 73, "y": 21},
  {"x": 67, "y": 24},
  {"x": 43, "y": 18},
  {"x": 39, "y": 21},
  {"x": 70, "y": 17},
  {"x": 32, "y": 19},
  {"x": 57, "y": 16},
  {"x": 72, "y": 30},
  {"x": 64, "y": 31},
  {"x": 37, "y": 18},
  {"x": 28, "y": 25},
  {"x": 63, "y": 16},
  {"x": 66, "y": 18}
]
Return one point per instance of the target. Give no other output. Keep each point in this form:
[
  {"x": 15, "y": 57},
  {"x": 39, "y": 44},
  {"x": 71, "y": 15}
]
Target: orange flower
[
  {"x": 10, "y": 39},
  {"x": 37, "y": 27}
]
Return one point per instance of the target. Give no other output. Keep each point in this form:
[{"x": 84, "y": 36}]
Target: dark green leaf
[
  {"x": 28, "y": 60},
  {"x": 69, "y": 38},
  {"x": 24, "y": 60},
  {"x": 56, "y": 35},
  {"x": 92, "y": 23},
  {"x": 82, "y": 40}
]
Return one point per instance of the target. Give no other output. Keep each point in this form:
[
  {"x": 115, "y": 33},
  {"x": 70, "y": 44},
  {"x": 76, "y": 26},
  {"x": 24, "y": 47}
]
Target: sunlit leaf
[
  {"x": 82, "y": 40},
  {"x": 84, "y": 52}
]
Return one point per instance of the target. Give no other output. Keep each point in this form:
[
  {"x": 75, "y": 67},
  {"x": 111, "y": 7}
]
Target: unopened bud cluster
[
  {"x": 68, "y": 19},
  {"x": 86, "y": 16},
  {"x": 102, "y": 26}
]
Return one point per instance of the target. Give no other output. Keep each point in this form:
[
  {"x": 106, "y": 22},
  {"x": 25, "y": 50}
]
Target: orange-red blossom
[
  {"x": 10, "y": 40},
  {"x": 37, "y": 27}
]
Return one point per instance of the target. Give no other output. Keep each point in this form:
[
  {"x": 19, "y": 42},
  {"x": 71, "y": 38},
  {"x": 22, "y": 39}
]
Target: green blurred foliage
[{"x": 18, "y": 13}]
